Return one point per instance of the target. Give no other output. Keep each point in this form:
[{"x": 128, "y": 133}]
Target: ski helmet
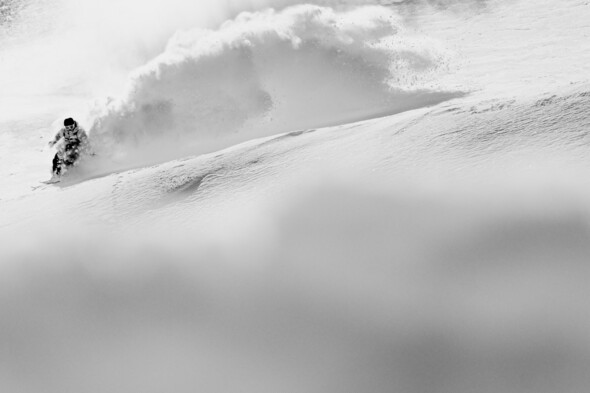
[{"x": 69, "y": 122}]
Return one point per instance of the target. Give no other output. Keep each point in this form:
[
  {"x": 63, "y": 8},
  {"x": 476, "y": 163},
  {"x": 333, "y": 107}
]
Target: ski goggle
[{"x": 70, "y": 127}]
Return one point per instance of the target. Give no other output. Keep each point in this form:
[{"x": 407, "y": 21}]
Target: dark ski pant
[{"x": 71, "y": 155}]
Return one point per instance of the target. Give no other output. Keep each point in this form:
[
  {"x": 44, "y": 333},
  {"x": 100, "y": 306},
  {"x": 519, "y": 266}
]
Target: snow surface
[{"x": 344, "y": 196}]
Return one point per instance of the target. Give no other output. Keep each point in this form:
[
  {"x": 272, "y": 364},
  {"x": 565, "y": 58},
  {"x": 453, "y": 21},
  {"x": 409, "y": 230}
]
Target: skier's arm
[{"x": 57, "y": 137}]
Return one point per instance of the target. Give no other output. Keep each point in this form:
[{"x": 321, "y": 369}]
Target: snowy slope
[
  {"x": 369, "y": 255},
  {"x": 438, "y": 249}
]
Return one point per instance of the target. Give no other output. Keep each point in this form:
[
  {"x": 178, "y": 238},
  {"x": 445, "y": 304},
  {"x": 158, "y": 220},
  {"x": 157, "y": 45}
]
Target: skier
[{"x": 75, "y": 142}]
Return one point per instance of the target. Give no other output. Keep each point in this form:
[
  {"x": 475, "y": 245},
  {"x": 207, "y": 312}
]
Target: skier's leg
[
  {"x": 57, "y": 163},
  {"x": 71, "y": 155}
]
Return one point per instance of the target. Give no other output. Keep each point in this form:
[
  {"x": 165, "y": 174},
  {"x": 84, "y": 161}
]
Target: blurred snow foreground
[{"x": 442, "y": 249}]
